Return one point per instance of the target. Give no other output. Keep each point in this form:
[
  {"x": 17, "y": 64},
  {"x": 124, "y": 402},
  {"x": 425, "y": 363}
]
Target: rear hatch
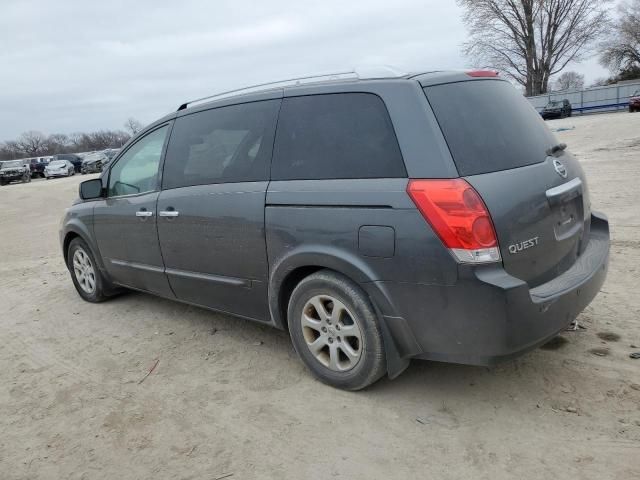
[{"x": 534, "y": 189}]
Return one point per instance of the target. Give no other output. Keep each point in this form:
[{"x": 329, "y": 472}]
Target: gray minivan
[{"x": 429, "y": 216}]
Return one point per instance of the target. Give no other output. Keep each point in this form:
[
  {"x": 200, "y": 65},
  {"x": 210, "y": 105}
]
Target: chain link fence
[{"x": 597, "y": 99}]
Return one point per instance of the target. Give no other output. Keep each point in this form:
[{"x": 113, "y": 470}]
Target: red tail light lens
[{"x": 458, "y": 216}]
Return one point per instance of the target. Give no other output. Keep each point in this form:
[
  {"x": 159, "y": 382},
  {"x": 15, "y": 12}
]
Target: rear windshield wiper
[{"x": 556, "y": 148}]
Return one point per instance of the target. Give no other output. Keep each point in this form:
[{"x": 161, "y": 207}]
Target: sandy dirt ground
[{"x": 230, "y": 397}]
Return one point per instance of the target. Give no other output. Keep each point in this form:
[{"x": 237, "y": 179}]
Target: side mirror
[{"x": 91, "y": 189}]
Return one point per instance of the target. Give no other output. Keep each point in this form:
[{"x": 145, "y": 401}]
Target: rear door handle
[
  {"x": 144, "y": 213},
  {"x": 565, "y": 192},
  {"x": 169, "y": 213}
]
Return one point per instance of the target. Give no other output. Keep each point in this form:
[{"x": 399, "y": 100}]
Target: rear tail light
[{"x": 458, "y": 216}]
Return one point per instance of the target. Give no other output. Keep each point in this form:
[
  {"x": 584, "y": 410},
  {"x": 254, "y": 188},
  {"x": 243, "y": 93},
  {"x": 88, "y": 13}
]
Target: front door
[
  {"x": 125, "y": 221},
  {"x": 211, "y": 208}
]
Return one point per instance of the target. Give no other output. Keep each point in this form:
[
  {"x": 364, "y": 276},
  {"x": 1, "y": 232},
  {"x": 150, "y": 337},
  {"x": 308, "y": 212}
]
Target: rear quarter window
[
  {"x": 489, "y": 126},
  {"x": 335, "y": 136}
]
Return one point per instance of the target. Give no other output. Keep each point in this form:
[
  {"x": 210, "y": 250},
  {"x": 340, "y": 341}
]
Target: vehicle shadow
[{"x": 421, "y": 377}]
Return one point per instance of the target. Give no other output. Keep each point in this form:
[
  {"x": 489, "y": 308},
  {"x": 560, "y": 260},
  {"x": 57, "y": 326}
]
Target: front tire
[
  {"x": 336, "y": 332},
  {"x": 86, "y": 275}
]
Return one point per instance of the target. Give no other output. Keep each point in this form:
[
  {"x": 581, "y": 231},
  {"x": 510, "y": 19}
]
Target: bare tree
[
  {"x": 132, "y": 125},
  {"x": 621, "y": 51},
  {"x": 57, "y": 143},
  {"x": 32, "y": 143},
  {"x": 9, "y": 150},
  {"x": 120, "y": 138},
  {"x": 569, "y": 81},
  {"x": 77, "y": 141},
  {"x": 600, "y": 82},
  {"x": 531, "y": 40},
  {"x": 59, "y": 138}
]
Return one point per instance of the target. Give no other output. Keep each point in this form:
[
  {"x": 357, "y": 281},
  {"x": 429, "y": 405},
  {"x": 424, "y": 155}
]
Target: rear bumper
[{"x": 489, "y": 315}]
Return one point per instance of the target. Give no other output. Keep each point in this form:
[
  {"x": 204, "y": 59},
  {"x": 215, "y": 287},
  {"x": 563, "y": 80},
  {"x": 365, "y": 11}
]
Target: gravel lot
[{"x": 230, "y": 397}]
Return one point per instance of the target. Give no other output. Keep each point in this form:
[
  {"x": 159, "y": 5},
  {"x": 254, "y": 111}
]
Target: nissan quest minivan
[{"x": 429, "y": 216}]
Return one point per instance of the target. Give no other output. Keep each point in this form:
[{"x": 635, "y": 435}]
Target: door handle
[
  {"x": 169, "y": 213},
  {"x": 144, "y": 213}
]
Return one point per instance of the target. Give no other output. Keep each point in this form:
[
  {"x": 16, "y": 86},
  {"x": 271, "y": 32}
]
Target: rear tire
[
  {"x": 336, "y": 332},
  {"x": 86, "y": 276}
]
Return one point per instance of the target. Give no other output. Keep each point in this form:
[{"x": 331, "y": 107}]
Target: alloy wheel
[
  {"x": 331, "y": 333},
  {"x": 84, "y": 271}
]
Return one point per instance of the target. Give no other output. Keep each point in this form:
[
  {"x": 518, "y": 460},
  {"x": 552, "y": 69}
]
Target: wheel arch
[
  {"x": 287, "y": 272},
  {"x": 79, "y": 230},
  {"x": 290, "y": 270}
]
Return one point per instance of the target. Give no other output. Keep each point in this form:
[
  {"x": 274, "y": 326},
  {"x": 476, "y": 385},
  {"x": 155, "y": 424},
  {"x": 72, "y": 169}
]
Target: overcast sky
[{"x": 77, "y": 65}]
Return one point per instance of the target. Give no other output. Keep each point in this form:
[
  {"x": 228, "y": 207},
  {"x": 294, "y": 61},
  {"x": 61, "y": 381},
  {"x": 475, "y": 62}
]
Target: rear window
[
  {"x": 345, "y": 135},
  {"x": 489, "y": 126}
]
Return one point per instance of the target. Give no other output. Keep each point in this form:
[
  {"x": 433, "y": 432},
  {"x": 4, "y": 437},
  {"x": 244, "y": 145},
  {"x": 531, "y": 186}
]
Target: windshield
[
  {"x": 57, "y": 163},
  {"x": 12, "y": 164},
  {"x": 554, "y": 104}
]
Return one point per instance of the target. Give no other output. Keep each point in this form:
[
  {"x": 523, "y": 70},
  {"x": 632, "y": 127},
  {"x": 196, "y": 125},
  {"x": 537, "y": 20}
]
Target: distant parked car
[
  {"x": 94, "y": 162},
  {"x": 59, "y": 168},
  {"x": 111, "y": 155},
  {"x": 37, "y": 166},
  {"x": 76, "y": 160},
  {"x": 14, "y": 170},
  {"x": 111, "y": 152},
  {"x": 634, "y": 102},
  {"x": 557, "y": 109}
]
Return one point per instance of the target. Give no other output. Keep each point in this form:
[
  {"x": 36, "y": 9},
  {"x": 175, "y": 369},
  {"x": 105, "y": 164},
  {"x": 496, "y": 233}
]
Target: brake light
[
  {"x": 482, "y": 73},
  {"x": 458, "y": 216}
]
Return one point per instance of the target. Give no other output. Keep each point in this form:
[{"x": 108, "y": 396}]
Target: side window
[
  {"x": 221, "y": 145},
  {"x": 137, "y": 170},
  {"x": 345, "y": 135}
]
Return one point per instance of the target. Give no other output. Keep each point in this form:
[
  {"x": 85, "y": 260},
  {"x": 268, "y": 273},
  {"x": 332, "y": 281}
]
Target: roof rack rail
[{"x": 278, "y": 84}]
